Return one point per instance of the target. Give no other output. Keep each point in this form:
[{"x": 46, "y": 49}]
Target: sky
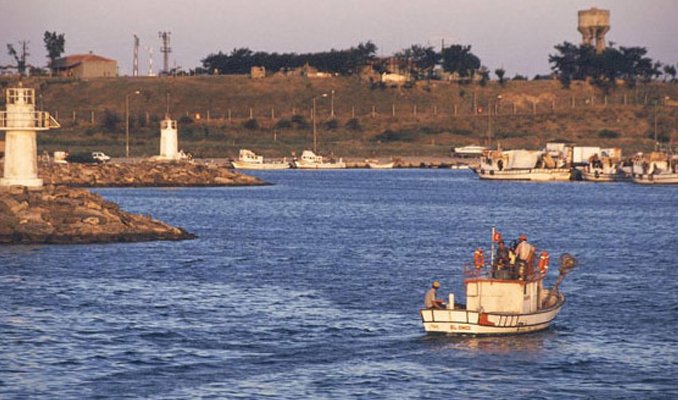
[{"x": 516, "y": 35}]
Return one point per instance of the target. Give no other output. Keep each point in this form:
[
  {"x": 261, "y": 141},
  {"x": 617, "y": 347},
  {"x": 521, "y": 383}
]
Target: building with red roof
[{"x": 85, "y": 66}]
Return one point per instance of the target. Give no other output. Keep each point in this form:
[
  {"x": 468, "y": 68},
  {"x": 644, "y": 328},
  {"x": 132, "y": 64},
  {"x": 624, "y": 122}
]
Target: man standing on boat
[
  {"x": 524, "y": 253},
  {"x": 430, "y": 299}
]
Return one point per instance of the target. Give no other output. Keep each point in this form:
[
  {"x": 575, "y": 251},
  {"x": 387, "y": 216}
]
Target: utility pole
[
  {"x": 165, "y": 50},
  {"x": 135, "y": 64}
]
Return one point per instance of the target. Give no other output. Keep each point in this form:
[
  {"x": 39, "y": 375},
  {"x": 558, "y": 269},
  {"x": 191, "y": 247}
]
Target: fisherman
[
  {"x": 430, "y": 300},
  {"x": 524, "y": 253},
  {"x": 499, "y": 269}
]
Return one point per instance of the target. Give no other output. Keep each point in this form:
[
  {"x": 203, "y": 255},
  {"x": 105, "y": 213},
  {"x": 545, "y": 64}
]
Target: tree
[
  {"x": 459, "y": 59},
  {"x": 20, "y": 59},
  {"x": 241, "y": 60},
  {"x": 500, "y": 72},
  {"x": 484, "y": 76},
  {"x": 54, "y": 44},
  {"x": 670, "y": 70},
  {"x": 424, "y": 60},
  {"x": 603, "y": 69}
]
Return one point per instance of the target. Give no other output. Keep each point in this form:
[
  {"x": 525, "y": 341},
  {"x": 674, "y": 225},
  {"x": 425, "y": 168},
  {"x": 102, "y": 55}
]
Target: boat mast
[{"x": 492, "y": 249}]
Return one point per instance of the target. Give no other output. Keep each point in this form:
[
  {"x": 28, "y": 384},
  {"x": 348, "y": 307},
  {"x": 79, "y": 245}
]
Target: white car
[{"x": 99, "y": 156}]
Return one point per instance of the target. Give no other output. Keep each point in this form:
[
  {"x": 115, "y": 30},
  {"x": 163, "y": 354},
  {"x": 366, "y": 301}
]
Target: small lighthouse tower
[
  {"x": 169, "y": 143},
  {"x": 21, "y": 122}
]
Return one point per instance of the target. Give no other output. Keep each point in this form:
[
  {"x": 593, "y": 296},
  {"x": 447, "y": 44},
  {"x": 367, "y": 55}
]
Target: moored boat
[
  {"x": 309, "y": 160},
  {"x": 375, "y": 164},
  {"x": 655, "y": 169},
  {"x": 523, "y": 165},
  {"x": 247, "y": 159},
  {"x": 501, "y": 300},
  {"x": 605, "y": 169}
]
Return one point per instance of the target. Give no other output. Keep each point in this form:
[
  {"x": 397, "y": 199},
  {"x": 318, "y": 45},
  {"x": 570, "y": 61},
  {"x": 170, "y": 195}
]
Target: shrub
[
  {"x": 354, "y": 124},
  {"x": 283, "y": 123},
  {"x": 299, "y": 121},
  {"x": 462, "y": 132},
  {"x": 110, "y": 121},
  {"x": 331, "y": 124},
  {"x": 395, "y": 136},
  {"x": 608, "y": 134},
  {"x": 251, "y": 124},
  {"x": 185, "y": 119}
]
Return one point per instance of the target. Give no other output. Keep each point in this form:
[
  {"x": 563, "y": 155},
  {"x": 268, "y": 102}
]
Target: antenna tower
[
  {"x": 165, "y": 50},
  {"x": 150, "y": 60},
  {"x": 135, "y": 65}
]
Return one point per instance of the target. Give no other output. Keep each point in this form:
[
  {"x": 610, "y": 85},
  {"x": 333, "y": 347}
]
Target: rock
[
  {"x": 142, "y": 174},
  {"x": 58, "y": 214},
  {"x": 91, "y": 220}
]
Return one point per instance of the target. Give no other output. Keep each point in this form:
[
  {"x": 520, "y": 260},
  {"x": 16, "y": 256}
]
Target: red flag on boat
[{"x": 497, "y": 237}]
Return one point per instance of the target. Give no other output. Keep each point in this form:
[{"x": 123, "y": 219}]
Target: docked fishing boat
[
  {"x": 522, "y": 165},
  {"x": 309, "y": 160},
  {"x": 655, "y": 169},
  {"x": 501, "y": 300},
  {"x": 469, "y": 151},
  {"x": 375, "y": 164},
  {"x": 247, "y": 159},
  {"x": 605, "y": 169}
]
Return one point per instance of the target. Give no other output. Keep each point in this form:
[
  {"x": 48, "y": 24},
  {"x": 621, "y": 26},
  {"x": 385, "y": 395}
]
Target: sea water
[{"x": 311, "y": 288}]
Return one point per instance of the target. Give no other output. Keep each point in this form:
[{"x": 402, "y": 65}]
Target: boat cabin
[
  {"x": 487, "y": 292},
  {"x": 250, "y": 157},
  {"x": 308, "y": 156}
]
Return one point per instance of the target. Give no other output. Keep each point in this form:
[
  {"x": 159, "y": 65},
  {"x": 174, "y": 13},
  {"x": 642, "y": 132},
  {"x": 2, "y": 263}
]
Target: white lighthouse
[
  {"x": 21, "y": 122},
  {"x": 169, "y": 143}
]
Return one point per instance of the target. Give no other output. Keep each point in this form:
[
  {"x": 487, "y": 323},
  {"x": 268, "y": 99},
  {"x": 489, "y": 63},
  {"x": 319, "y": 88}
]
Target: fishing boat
[
  {"x": 605, "y": 169},
  {"x": 309, "y": 160},
  {"x": 501, "y": 300},
  {"x": 469, "y": 151},
  {"x": 655, "y": 169},
  {"x": 247, "y": 159},
  {"x": 521, "y": 165},
  {"x": 375, "y": 164}
]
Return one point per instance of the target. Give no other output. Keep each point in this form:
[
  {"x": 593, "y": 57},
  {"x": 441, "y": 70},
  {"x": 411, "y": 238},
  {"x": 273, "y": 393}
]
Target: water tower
[
  {"x": 169, "y": 142},
  {"x": 593, "y": 25},
  {"x": 21, "y": 122}
]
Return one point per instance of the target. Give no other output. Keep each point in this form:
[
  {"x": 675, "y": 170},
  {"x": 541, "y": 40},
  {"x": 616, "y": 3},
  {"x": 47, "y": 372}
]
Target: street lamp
[
  {"x": 489, "y": 118},
  {"x": 127, "y": 123},
  {"x": 315, "y": 132}
]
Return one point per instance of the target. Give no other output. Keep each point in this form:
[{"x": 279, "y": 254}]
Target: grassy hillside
[{"x": 371, "y": 120}]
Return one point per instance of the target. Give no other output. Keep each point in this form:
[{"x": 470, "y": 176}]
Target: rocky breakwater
[
  {"x": 144, "y": 174},
  {"x": 57, "y": 214}
]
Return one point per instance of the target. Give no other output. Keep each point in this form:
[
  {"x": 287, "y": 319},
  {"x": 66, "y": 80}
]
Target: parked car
[{"x": 101, "y": 157}]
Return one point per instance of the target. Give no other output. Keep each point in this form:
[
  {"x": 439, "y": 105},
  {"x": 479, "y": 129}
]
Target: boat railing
[{"x": 513, "y": 272}]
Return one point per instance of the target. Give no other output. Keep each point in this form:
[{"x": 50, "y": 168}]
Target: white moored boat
[
  {"x": 606, "y": 169},
  {"x": 309, "y": 160},
  {"x": 249, "y": 160},
  {"x": 501, "y": 302},
  {"x": 521, "y": 165},
  {"x": 655, "y": 169},
  {"x": 375, "y": 164}
]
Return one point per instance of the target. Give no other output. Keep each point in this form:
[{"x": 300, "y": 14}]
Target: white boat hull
[
  {"x": 380, "y": 166},
  {"x": 655, "y": 179},
  {"x": 534, "y": 174},
  {"x": 324, "y": 165},
  {"x": 604, "y": 177},
  {"x": 258, "y": 166},
  {"x": 466, "y": 322}
]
